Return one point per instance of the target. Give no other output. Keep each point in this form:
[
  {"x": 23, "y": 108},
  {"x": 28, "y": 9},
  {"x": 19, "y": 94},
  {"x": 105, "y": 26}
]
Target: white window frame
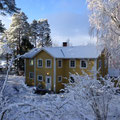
[
  {"x": 29, "y": 75},
  {"x": 38, "y": 77},
  {"x": 58, "y": 63},
  {"x": 58, "y": 78},
  {"x": 81, "y": 64},
  {"x": 38, "y": 64},
  {"x": 46, "y": 63},
  {"x": 70, "y": 63},
  {"x": 30, "y": 62}
]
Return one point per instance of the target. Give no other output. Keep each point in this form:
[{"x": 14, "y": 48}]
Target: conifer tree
[
  {"x": 40, "y": 33},
  {"x": 8, "y": 6}
]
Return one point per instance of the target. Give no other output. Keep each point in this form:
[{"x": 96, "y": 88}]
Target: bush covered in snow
[{"x": 85, "y": 99}]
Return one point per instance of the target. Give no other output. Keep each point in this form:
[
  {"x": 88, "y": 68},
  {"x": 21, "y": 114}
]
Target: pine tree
[
  {"x": 44, "y": 33},
  {"x": 34, "y": 32},
  {"x": 24, "y": 47},
  {"x": 8, "y": 6},
  {"x": 19, "y": 29},
  {"x": 40, "y": 33},
  {"x": 2, "y": 28}
]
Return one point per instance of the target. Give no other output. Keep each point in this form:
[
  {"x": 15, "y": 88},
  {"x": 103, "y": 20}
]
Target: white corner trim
[{"x": 54, "y": 75}]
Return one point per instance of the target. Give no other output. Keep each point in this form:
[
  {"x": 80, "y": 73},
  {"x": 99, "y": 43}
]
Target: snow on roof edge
[{"x": 35, "y": 51}]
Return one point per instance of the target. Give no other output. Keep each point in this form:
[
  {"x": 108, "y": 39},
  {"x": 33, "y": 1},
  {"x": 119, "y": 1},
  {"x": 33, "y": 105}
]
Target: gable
[{"x": 43, "y": 54}]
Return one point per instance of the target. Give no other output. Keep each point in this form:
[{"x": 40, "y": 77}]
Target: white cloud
[
  {"x": 6, "y": 20},
  {"x": 74, "y": 40},
  {"x": 71, "y": 26}
]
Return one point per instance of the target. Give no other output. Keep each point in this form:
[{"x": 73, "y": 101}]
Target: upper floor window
[
  {"x": 72, "y": 63},
  {"x": 40, "y": 63},
  {"x": 83, "y": 64},
  {"x": 48, "y": 63},
  {"x": 31, "y": 62},
  {"x": 31, "y": 75},
  {"x": 59, "y": 63},
  {"x": 40, "y": 78}
]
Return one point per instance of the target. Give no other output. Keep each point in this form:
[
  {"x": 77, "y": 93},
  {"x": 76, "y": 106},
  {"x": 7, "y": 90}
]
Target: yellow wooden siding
[
  {"x": 29, "y": 69},
  {"x": 104, "y": 69},
  {"x": 66, "y": 70},
  {"x": 43, "y": 71}
]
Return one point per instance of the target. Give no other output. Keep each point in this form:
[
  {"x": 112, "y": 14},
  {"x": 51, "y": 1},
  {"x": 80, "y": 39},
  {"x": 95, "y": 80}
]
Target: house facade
[{"x": 51, "y": 66}]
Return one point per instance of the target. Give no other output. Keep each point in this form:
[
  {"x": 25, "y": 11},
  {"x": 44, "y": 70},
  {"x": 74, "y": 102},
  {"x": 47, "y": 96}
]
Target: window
[
  {"x": 31, "y": 75},
  {"x": 59, "y": 78},
  {"x": 40, "y": 63},
  {"x": 99, "y": 64},
  {"x": 72, "y": 63},
  {"x": 40, "y": 78},
  {"x": 31, "y": 62},
  {"x": 59, "y": 63},
  {"x": 72, "y": 79},
  {"x": 83, "y": 64},
  {"x": 48, "y": 63}
]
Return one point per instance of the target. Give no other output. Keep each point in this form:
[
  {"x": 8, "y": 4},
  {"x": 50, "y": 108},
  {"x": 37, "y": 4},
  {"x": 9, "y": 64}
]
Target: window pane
[
  {"x": 59, "y": 63},
  {"x": 48, "y": 80},
  {"x": 72, "y": 63},
  {"x": 48, "y": 63},
  {"x": 31, "y": 75},
  {"x": 40, "y": 78},
  {"x": 59, "y": 79},
  {"x": 31, "y": 62},
  {"x": 83, "y": 64},
  {"x": 40, "y": 63}
]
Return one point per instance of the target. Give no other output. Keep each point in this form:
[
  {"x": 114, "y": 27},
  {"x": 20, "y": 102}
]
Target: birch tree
[{"x": 105, "y": 23}]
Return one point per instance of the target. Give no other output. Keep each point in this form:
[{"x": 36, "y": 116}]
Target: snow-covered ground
[{"x": 20, "y": 103}]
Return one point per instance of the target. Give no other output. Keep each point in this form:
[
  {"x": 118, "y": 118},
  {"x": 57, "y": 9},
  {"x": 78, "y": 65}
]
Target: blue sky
[{"x": 68, "y": 19}]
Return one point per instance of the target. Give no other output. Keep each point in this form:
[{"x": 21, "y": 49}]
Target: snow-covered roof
[{"x": 67, "y": 52}]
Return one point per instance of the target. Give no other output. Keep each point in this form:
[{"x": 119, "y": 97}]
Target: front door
[{"x": 48, "y": 82}]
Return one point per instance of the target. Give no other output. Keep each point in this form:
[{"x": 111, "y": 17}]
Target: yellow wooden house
[{"x": 51, "y": 66}]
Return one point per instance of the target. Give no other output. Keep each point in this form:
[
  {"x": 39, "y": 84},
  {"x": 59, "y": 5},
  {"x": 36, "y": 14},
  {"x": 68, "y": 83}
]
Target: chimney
[{"x": 64, "y": 44}]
